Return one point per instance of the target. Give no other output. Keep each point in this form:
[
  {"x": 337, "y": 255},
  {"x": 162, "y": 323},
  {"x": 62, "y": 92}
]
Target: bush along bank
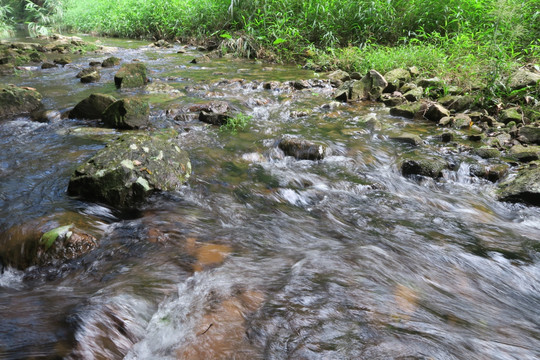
[{"x": 507, "y": 135}]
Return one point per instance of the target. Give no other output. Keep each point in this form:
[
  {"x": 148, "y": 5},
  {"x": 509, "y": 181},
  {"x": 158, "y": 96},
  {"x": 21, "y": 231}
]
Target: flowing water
[{"x": 260, "y": 255}]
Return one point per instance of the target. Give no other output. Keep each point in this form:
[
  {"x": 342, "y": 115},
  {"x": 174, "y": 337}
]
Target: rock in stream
[{"x": 131, "y": 168}]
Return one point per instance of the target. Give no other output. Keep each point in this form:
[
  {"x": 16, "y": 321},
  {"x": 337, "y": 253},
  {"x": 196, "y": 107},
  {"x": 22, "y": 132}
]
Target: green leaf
[
  {"x": 226, "y": 36},
  {"x": 278, "y": 41},
  {"x": 50, "y": 237}
]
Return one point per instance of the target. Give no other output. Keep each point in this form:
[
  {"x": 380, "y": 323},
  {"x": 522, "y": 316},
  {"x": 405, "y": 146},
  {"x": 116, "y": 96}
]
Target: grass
[{"x": 466, "y": 42}]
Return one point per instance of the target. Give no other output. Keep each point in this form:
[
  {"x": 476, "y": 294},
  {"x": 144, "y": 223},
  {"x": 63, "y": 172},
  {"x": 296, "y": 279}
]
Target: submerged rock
[
  {"x": 16, "y": 100},
  {"x": 127, "y": 114},
  {"x": 64, "y": 243},
  {"x": 23, "y": 246},
  {"x": 524, "y": 187},
  {"x": 131, "y": 168},
  {"x": 92, "y": 107},
  {"x": 131, "y": 75},
  {"x": 303, "y": 149}
]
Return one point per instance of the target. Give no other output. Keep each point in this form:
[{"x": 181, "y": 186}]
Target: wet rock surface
[
  {"x": 524, "y": 187},
  {"x": 16, "y": 100},
  {"x": 303, "y": 149},
  {"x": 131, "y": 75},
  {"x": 92, "y": 107},
  {"x": 127, "y": 114},
  {"x": 131, "y": 168}
]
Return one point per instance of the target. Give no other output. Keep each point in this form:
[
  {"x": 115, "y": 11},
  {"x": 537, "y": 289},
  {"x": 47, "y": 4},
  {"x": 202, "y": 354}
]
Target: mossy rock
[
  {"x": 64, "y": 60},
  {"x": 92, "y": 107},
  {"x": 424, "y": 166},
  {"x": 436, "y": 112},
  {"x": 127, "y": 114},
  {"x": 339, "y": 76},
  {"x": 131, "y": 75},
  {"x": 529, "y": 135},
  {"x": 111, "y": 62},
  {"x": 17, "y": 101},
  {"x": 131, "y": 168},
  {"x": 524, "y": 154},
  {"x": 458, "y": 102},
  {"x": 509, "y": 115},
  {"x": 522, "y": 78},
  {"x": 492, "y": 173},
  {"x": 407, "y": 138},
  {"x": 525, "y": 187},
  {"x": 91, "y": 77},
  {"x": 36, "y": 56},
  {"x": 396, "y": 78},
  {"x": 407, "y": 110},
  {"x": 487, "y": 152},
  {"x": 7, "y": 69},
  {"x": 414, "y": 94}
]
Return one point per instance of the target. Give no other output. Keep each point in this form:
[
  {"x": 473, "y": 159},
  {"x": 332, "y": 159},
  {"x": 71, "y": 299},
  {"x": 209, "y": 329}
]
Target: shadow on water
[{"x": 260, "y": 255}]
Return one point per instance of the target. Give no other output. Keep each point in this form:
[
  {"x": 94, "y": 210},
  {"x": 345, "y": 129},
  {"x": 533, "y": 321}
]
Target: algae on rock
[{"x": 129, "y": 169}]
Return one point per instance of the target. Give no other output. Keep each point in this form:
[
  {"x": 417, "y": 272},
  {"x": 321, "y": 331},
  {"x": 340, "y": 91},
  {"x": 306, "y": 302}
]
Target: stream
[{"x": 260, "y": 255}]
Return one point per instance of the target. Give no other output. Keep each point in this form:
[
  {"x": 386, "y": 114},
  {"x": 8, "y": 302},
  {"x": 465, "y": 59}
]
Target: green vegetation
[
  {"x": 238, "y": 122},
  {"x": 465, "y": 42},
  {"x": 6, "y": 21}
]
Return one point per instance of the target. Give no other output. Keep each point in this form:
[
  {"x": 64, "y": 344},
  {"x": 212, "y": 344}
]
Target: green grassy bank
[{"x": 468, "y": 42}]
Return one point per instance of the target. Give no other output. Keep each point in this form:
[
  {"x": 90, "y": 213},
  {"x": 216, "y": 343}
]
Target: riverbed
[{"x": 261, "y": 255}]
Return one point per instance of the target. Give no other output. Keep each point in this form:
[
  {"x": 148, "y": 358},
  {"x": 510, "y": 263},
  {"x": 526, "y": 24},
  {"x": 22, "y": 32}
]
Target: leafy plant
[{"x": 236, "y": 123}]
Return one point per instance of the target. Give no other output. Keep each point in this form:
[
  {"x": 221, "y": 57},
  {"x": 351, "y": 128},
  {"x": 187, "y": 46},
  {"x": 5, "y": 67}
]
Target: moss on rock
[{"x": 129, "y": 169}]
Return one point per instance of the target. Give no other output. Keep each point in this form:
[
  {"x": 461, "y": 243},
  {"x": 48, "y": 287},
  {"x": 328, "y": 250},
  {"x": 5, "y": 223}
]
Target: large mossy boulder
[
  {"x": 92, "y": 107},
  {"x": 16, "y": 100},
  {"x": 127, "y": 114},
  {"x": 131, "y": 168},
  {"x": 524, "y": 187},
  {"x": 131, "y": 75}
]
